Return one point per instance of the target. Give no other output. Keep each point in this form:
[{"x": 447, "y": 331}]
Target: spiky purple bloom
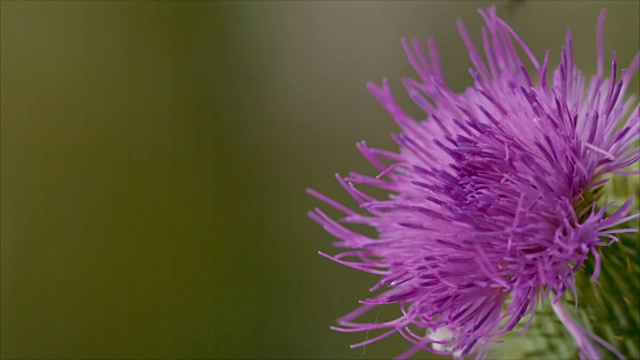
[{"x": 490, "y": 208}]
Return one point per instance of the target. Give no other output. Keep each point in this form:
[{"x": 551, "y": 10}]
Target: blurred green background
[{"x": 155, "y": 156}]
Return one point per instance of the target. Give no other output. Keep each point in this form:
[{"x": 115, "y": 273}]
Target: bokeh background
[{"x": 155, "y": 157}]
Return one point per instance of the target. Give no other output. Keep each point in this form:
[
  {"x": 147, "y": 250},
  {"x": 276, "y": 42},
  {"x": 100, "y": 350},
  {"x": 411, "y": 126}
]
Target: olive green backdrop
[{"x": 155, "y": 157}]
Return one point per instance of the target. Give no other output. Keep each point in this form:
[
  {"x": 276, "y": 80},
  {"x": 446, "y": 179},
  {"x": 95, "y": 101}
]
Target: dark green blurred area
[{"x": 155, "y": 156}]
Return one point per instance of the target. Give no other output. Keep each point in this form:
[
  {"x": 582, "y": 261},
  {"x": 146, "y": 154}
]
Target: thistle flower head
[{"x": 492, "y": 196}]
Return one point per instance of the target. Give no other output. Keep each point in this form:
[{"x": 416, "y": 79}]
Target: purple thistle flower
[{"x": 491, "y": 206}]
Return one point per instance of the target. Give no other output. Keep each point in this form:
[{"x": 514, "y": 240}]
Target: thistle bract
[{"x": 492, "y": 202}]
